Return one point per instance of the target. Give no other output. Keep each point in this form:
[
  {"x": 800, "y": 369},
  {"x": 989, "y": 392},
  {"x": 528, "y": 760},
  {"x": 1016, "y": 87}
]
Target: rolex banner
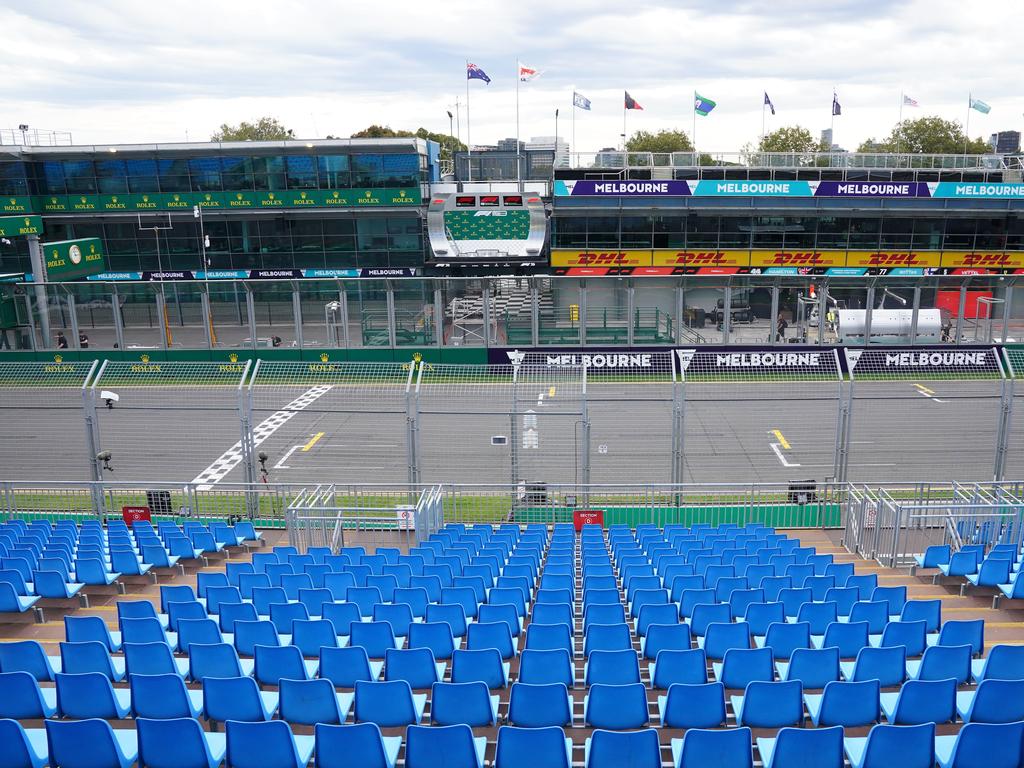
[{"x": 73, "y": 259}]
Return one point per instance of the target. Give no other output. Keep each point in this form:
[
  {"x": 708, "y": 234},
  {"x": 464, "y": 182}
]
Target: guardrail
[{"x": 867, "y": 160}]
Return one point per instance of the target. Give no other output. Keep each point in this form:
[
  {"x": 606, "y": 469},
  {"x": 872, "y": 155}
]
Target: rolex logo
[
  {"x": 336, "y": 193},
  {"x": 401, "y": 193},
  {"x": 144, "y": 358},
  {"x": 324, "y": 357},
  {"x": 177, "y": 198},
  {"x": 233, "y": 357},
  {"x": 208, "y": 196},
  {"x": 417, "y": 356},
  {"x": 53, "y": 201},
  {"x": 113, "y": 199},
  {"x": 14, "y": 201},
  {"x": 28, "y": 222},
  {"x": 302, "y": 195},
  {"x": 270, "y": 195},
  {"x": 368, "y": 193},
  {"x": 238, "y": 195},
  {"x": 145, "y": 198},
  {"x": 58, "y": 358},
  {"x": 84, "y": 199}
]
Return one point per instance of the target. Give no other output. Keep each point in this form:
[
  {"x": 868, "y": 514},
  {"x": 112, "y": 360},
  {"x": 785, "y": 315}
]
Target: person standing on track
[{"x": 780, "y": 328}]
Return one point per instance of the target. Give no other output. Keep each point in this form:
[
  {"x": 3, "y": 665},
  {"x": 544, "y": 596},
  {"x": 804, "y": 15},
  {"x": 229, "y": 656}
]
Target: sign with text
[
  {"x": 13, "y": 226},
  {"x": 73, "y": 259}
]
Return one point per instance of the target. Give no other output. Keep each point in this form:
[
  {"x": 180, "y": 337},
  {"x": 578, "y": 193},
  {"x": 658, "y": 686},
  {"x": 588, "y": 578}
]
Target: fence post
[
  {"x": 245, "y": 395},
  {"x": 412, "y": 428},
  {"x": 585, "y": 447},
  {"x": 93, "y": 442},
  {"x": 513, "y": 437},
  {"x": 842, "y": 424},
  {"x": 1005, "y": 419}
]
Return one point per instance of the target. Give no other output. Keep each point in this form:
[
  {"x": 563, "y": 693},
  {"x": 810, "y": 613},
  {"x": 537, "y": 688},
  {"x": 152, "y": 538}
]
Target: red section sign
[
  {"x": 132, "y": 514},
  {"x": 581, "y": 517}
]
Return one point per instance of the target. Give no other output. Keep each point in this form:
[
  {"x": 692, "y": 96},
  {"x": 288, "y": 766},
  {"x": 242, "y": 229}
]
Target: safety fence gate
[
  {"x": 894, "y": 525},
  {"x": 336, "y": 516}
]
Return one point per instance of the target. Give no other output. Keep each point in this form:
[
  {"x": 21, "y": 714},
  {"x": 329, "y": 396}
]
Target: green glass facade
[{"x": 274, "y": 205}]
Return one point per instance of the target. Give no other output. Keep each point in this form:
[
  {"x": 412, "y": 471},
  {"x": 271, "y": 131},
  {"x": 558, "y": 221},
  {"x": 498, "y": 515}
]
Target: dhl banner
[{"x": 725, "y": 261}]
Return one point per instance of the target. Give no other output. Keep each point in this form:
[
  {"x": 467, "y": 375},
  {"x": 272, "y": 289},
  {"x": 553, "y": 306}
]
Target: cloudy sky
[{"x": 129, "y": 71}]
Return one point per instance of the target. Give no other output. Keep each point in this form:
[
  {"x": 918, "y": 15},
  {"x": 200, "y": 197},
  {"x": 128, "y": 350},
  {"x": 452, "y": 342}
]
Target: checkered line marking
[{"x": 232, "y": 457}]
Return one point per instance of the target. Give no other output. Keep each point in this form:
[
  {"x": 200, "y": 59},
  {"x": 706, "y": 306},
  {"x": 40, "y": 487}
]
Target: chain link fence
[
  {"x": 804, "y": 417},
  {"x": 44, "y": 422},
  {"x": 942, "y": 412}
]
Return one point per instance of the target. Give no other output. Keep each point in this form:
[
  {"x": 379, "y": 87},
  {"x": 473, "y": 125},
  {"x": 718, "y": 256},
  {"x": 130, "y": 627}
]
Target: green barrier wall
[
  {"x": 453, "y": 356},
  {"x": 774, "y": 515}
]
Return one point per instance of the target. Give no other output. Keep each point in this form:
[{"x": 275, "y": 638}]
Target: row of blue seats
[
  {"x": 392, "y": 703},
  {"x": 181, "y": 743},
  {"x": 999, "y": 569}
]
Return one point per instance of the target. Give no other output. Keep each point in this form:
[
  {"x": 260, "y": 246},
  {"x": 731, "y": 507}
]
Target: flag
[
  {"x": 526, "y": 74},
  {"x": 836, "y": 109},
  {"x": 768, "y": 102},
  {"x": 909, "y": 102},
  {"x": 473, "y": 72},
  {"x": 981, "y": 106},
  {"x": 631, "y": 103},
  {"x": 701, "y": 105},
  {"x": 581, "y": 101}
]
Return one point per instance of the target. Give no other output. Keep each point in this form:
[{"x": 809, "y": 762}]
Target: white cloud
[{"x": 119, "y": 71}]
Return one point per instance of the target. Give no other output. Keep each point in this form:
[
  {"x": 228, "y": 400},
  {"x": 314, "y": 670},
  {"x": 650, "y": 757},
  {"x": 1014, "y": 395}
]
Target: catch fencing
[{"x": 802, "y": 416}]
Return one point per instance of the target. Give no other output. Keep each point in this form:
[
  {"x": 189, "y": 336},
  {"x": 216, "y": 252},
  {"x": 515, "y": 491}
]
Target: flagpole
[
  {"x": 623, "y": 127},
  {"x": 832, "y": 124},
  {"x": 967, "y": 124},
  {"x": 518, "y": 172},
  {"x": 696, "y": 156},
  {"x": 899, "y": 123},
  {"x": 469, "y": 142},
  {"x": 762, "y": 117},
  {"x": 572, "y": 144}
]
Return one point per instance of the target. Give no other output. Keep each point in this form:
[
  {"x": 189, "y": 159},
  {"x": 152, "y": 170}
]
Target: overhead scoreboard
[{"x": 486, "y": 230}]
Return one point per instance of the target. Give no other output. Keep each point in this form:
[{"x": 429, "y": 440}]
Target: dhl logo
[
  {"x": 798, "y": 259},
  {"x": 701, "y": 259},
  {"x": 615, "y": 259},
  {"x": 893, "y": 260},
  {"x": 987, "y": 260}
]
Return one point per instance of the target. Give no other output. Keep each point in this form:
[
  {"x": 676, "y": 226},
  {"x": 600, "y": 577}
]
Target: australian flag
[{"x": 473, "y": 72}]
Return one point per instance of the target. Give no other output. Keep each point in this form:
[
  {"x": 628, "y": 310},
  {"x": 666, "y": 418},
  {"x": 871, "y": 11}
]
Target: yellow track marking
[
  {"x": 315, "y": 439},
  {"x": 782, "y": 440}
]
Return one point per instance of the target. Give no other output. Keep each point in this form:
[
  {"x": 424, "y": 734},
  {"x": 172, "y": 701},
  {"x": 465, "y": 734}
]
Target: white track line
[
  {"x": 232, "y": 457},
  {"x": 778, "y": 452}
]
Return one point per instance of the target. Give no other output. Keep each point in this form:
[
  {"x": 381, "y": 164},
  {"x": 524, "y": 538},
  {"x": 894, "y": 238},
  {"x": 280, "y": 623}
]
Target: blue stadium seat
[
  {"x": 276, "y": 662},
  {"x": 848, "y": 637},
  {"x": 336, "y": 745},
  {"x": 91, "y": 656},
  {"x": 260, "y": 744},
  {"x": 846, "y": 704},
  {"x": 803, "y": 748},
  {"x": 308, "y": 702},
  {"x": 993, "y": 701},
  {"x": 814, "y": 668},
  {"x": 770, "y": 705},
  {"x": 744, "y": 665},
  {"x": 688, "y": 667},
  {"x": 216, "y": 660},
  {"x": 921, "y": 701},
  {"x": 178, "y": 743},
  {"x": 606, "y": 637},
  {"x": 616, "y": 707},
  {"x": 375, "y": 636},
  {"x": 498, "y": 636},
  {"x": 940, "y": 662},
  {"x": 888, "y": 745},
  {"x": 982, "y": 744},
  {"x": 388, "y": 704},
  {"x": 24, "y": 748},
  {"x": 1004, "y": 662},
  {"x": 538, "y": 706},
  {"x": 152, "y": 659},
  {"x": 443, "y": 746},
  {"x": 693, "y": 706},
  {"x": 887, "y": 665},
  {"x": 163, "y": 697},
  {"x": 546, "y": 666},
  {"x": 416, "y": 666},
  {"x": 619, "y": 667},
  {"x": 90, "y": 743},
  {"x": 310, "y": 635},
  {"x": 532, "y": 748},
  {"x": 22, "y": 698},
  {"x": 344, "y": 666},
  {"x": 237, "y": 698},
  {"x": 80, "y": 629},
  {"x": 437, "y": 636},
  {"x": 28, "y": 656},
  {"x": 699, "y": 748},
  {"x": 463, "y": 703},
  {"x": 612, "y": 749}
]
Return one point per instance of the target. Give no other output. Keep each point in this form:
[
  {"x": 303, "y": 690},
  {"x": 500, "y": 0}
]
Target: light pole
[
  {"x": 554, "y": 162},
  {"x": 204, "y": 241},
  {"x": 451, "y": 141}
]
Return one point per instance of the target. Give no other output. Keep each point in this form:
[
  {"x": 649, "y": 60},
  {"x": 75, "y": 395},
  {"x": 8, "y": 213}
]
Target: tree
[
  {"x": 264, "y": 129},
  {"x": 662, "y": 141},
  {"x": 929, "y": 136},
  {"x": 793, "y": 138}
]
